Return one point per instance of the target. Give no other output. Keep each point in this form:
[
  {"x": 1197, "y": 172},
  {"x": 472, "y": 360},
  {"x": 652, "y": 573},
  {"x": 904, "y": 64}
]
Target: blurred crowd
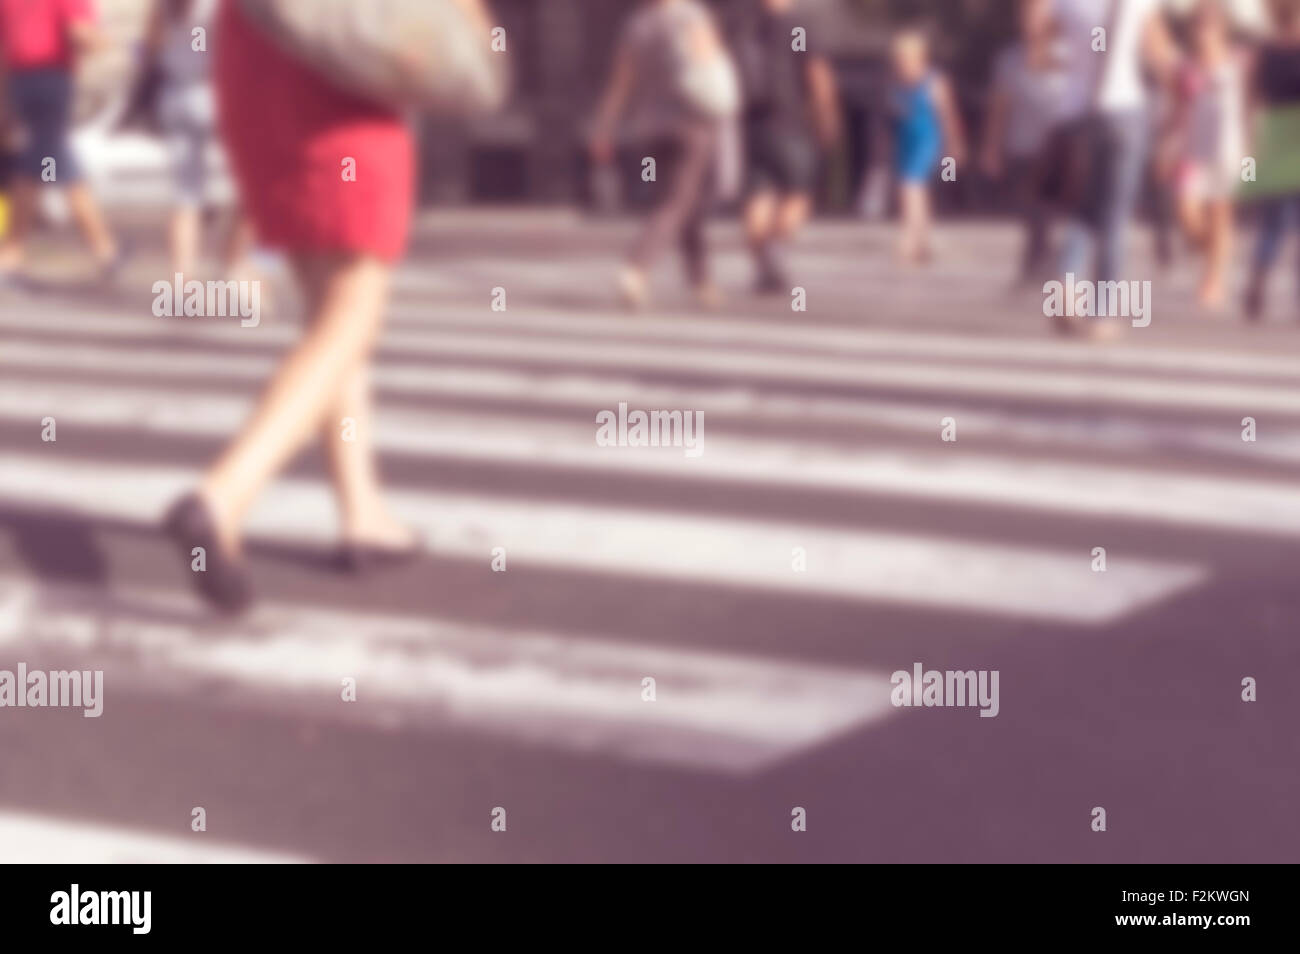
[
  {"x": 1190, "y": 110},
  {"x": 1096, "y": 109}
]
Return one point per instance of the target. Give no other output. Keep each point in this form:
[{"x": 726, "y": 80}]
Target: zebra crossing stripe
[
  {"x": 692, "y": 549},
  {"x": 728, "y": 713}
]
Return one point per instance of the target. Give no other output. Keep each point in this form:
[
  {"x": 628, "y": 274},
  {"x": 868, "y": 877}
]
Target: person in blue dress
[{"x": 925, "y": 121}]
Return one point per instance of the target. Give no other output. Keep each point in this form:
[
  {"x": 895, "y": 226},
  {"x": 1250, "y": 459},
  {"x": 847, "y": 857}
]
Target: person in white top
[
  {"x": 1108, "y": 46},
  {"x": 1108, "y": 79}
]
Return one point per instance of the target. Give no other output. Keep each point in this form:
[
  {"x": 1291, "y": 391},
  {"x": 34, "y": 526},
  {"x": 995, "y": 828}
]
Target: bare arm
[
  {"x": 995, "y": 132},
  {"x": 475, "y": 10},
  {"x": 825, "y": 99},
  {"x": 153, "y": 28},
  {"x": 1254, "y": 105},
  {"x": 1159, "y": 51},
  {"x": 86, "y": 37},
  {"x": 704, "y": 42},
  {"x": 617, "y": 91},
  {"x": 8, "y": 122},
  {"x": 1170, "y": 131},
  {"x": 954, "y": 132}
]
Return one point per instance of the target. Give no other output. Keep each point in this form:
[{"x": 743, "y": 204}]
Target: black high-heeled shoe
[
  {"x": 364, "y": 558},
  {"x": 223, "y": 583}
]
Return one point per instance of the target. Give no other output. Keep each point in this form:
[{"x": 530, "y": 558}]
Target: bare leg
[
  {"x": 91, "y": 222},
  {"x": 347, "y": 439},
  {"x": 238, "y": 242},
  {"x": 1192, "y": 216},
  {"x": 914, "y": 245},
  {"x": 792, "y": 214},
  {"x": 906, "y": 226},
  {"x": 760, "y": 218},
  {"x": 924, "y": 219},
  {"x": 685, "y": 162},
  {"x": 23, "y": 209},
  {"x": 351, "y": 293},
  {"x": 760, "y": 233},
  {"x": 695, "y": 255},
  {"x": 1218, "y": 253},
  {"x": 185, "y": 229}
]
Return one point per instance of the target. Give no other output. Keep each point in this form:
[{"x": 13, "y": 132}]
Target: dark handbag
[
  {"x": 1068, "y": 166},
  {"x": 141, "y": 109}
]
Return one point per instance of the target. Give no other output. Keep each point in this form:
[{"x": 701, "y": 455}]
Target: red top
[{"x": 34, "y": 33}]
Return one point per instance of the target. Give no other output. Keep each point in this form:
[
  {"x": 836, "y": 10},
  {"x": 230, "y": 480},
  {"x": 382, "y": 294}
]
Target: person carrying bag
[{"x": 311, "y": 96}]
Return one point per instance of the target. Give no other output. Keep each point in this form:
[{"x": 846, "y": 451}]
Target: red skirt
[{"x": 292, "y": 137}]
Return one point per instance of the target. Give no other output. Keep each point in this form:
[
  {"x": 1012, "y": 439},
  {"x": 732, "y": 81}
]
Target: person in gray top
[
  {"x": 653, "y": 89},
  {"x": 1028, "y": 96}
]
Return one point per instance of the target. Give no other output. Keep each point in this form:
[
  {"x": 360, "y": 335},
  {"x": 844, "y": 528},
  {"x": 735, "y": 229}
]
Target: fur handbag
[{"x": 435, "y": 55}]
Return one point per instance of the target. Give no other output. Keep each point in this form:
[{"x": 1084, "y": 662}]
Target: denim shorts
[
  {"x": 187, "y": 115},
  {"x": 781, "y": 157},
  {"x": 42, "y": 100}
]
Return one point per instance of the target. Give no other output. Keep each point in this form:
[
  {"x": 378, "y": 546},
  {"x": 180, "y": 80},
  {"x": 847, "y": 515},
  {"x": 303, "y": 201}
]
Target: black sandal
[
  {"x": 365, "y": 558},
  {"x": 223, "y": 582}
]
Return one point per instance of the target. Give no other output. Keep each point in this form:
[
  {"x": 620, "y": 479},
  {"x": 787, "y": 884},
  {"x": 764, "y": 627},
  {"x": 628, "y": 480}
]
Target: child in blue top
[{"x": 925, "y": 119}]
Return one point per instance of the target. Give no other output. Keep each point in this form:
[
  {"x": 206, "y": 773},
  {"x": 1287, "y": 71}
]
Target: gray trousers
[{"x": 684, "y": 172}]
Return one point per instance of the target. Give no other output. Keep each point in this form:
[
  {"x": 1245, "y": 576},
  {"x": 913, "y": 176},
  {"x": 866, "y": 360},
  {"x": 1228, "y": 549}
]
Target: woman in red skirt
[{"x": 294, "y": 140}]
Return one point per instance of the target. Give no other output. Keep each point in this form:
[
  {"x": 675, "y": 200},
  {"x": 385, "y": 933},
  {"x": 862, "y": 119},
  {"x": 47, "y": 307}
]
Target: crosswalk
[{"x": 812, "y": 432}]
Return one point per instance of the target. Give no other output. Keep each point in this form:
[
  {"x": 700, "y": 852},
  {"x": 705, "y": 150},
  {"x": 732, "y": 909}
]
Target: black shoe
[
  {"x": 1254, "y": 304},
  {"x": 770, "y": 283},
  {"x": 13, "y": 280},
  {"x": 223, "y": 582},
  {"x": 111, "y": 271},
  {"x": 366, "y": 558},
  {"x": 1065, "y": 326},
  {"x": 772, "y": 278}
]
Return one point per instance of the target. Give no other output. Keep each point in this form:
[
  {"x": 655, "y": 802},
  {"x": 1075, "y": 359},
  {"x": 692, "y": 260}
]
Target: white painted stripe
[
  {"x": 805, "y": 336},
  {"x": 27, "y": 839},
  {"x": 1049, "y": 485},
  {"x": 1090, "y": 389},
  {"x": 715, "y": 712},
  {"x": 854, "y": 565},
  {"x": 421, "y": 324},
  {"x": 163, "y": 408}
]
